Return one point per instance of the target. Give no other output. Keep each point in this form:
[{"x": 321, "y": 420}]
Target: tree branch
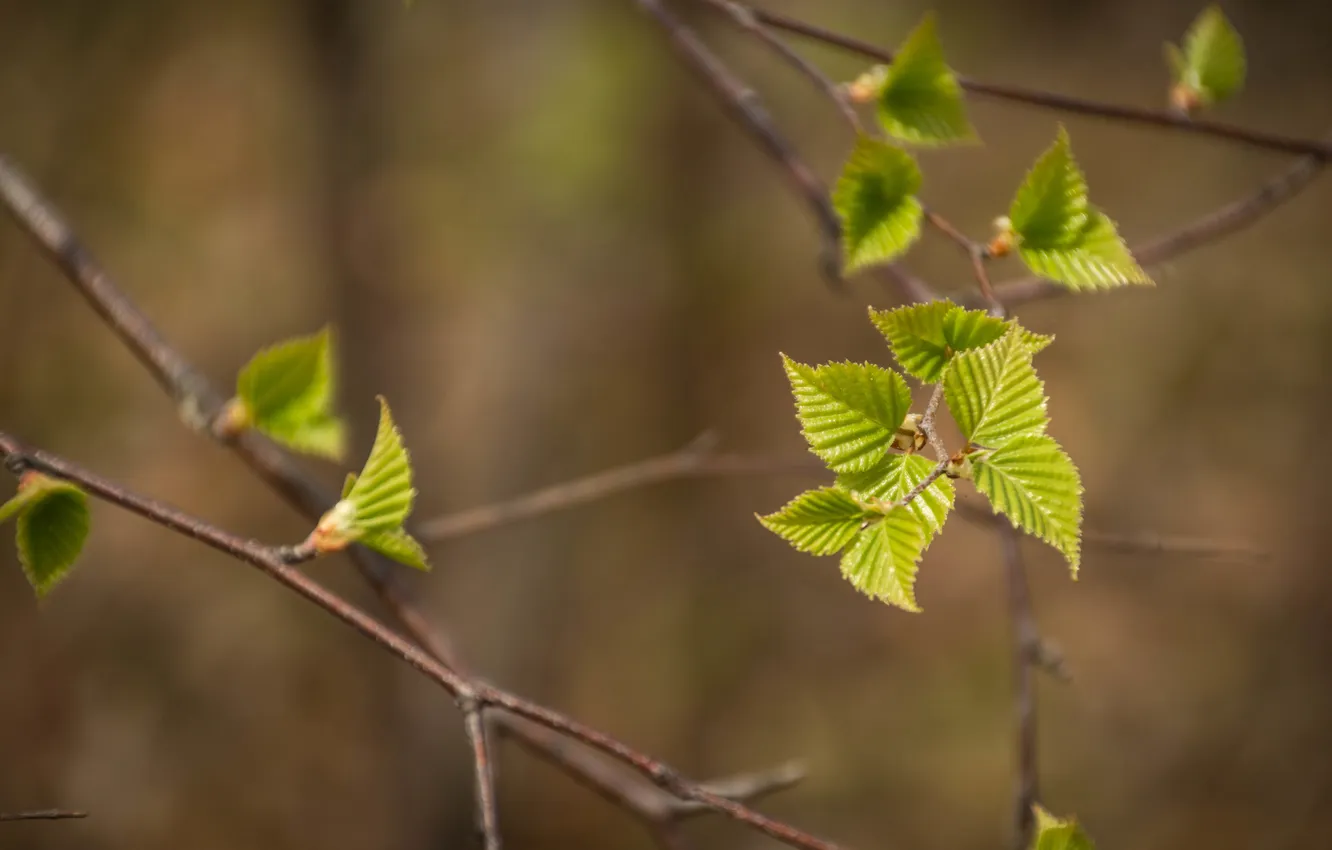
[
  {"x": 279, "y": 563},
  {"x": 1026, "y": 644},
  {"x": 41, "y": 814}
]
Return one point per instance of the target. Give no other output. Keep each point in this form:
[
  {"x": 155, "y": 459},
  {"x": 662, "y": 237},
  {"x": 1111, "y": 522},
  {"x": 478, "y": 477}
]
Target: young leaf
[
  {"x": 924, "y": 337},
  {"x": 896, "y": 476},
  {"x": 1062, "y": 237},
  {"x": 882, "y": 560},
  {"x": 375, "y": 504},
  {"x": 286, "y": 392},
  {"x": 1033, "y": 482},
  {"x": 52, "y": 527},
  {"x": 993, "y": 392},
  {"x": 1211, "y": 66},
  {"x": 1052, "y": 833},
  {"x": 820, "y": 522},
  {"x": 849, "y": 411},
  {"x": 875, "y": 200},
  {"x": 920, "y": 100}
]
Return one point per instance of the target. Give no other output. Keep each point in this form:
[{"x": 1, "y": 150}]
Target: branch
[
  {"x": 743, "y": 104},
  {"x": 279, "y": 563},
  {"x": 41, "y": 814},
  {"x": 487, "y": 818},
  {"x": 199, "y": 405},
  {"x": 1161, "y": 118},
  {"x": 1026, "y": 646}
]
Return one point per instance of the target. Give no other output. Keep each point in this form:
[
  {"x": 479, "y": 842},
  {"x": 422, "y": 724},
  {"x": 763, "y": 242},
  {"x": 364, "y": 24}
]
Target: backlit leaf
[
  {"x": 993, "y": 392},
  {"x": 849, "y": 411},
  {"x": 1033, "y": 482},
  {"x": 920, "y": 100},
  {"x": 882, "y": 560},
  {"x": 820, "y": 522},
  {"x": 875, "y": 200}
]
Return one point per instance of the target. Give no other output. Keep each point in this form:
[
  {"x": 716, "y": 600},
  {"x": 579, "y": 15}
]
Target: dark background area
[{"x": 542, "y": 240}]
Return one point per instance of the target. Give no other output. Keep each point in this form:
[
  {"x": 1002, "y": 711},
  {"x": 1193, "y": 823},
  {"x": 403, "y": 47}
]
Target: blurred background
[{"x": 543, "y": 241}]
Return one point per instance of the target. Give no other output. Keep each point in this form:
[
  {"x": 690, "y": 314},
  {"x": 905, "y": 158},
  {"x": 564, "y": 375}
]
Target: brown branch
[
  {"x": 279, "y": 563},
  {"x": 487, "y": 816},
  {"x": 41, "y": 814},
  {"x": 199, "y": 405},
  {"x": 743, "y": 104},
  {"x": 1217, "y": 224},
  {"x": 1161, "y": 118},
  {"x": 1026, "y": 645}
]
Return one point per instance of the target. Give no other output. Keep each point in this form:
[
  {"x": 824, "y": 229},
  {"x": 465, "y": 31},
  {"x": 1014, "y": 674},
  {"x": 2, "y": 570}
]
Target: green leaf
[
  {"x": 920, "y": 100},
  {"x": 849, "y": 411},
  {"x": 382, "y": 494},
  {"x": 820, "y": 522},
  {"x": 52, "y": 527},
  {"x": 1052, "y": 833},
  {"x": 882, "y": 560},
  {"x": 993, "y": 392},
  {"x": 1212, "y": 63},
  {"x": 1050, "y": 209},
  {"x": 875, "y": 200},
  {"x": 398, "y": 545},
  {"x": 286, "y": 392},
  {"x": 896, "y": 476},
  {"x": 1033, "y": 482},
  {"x": 924, "y": 337},
  {"x": 1096, "y": 259}
]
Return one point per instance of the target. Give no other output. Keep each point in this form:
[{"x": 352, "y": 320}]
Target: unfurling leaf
[
  {"x": 287, "y": 392},
  {"x": 882, "y": 559},
  {"x": 375, "y": 504},
  {"x": 1033, "y": 482},
  {"x": 919, "y": 98},
  {"x": 924, "y": 337},
  {"x": 993, "y": 392},
  {"x": 894, "y": 478},
  {"x": 1059, "y": 235},
  {"x": 850, "y": 412},
  {"x": 875, "y": 198},
  {"x": 1211, "y": 66},
  {"x": 52, "y": 527},
  {"x": 1052, "y": 833},
  {"x": 820, "y": 522}
]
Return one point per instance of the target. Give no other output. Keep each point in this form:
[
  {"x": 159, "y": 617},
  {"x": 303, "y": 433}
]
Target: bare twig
[
  {"x": 279, "y": 564},
  {"x": 1161, "y": 118},
  {"x": 199, "y": 405},
  {"x": 1026, "y": 644},
  {"x": 487, "y": 818},
  {"x": 744, "y": 106},
  {"x": 41, "y": 814}
]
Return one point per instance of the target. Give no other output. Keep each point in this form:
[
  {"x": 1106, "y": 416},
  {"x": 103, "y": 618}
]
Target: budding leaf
[
  {"x": 1211, "y": 66},
  {"x": 286, "y": 392},
  {"x": 52, "y": 527},
  {"x": 375, "y": 504},
  {"x": 820, "y": 522},
  {"x": 875, "y": 200},
  {"x": 895, "y": 477},
  {"x": 993, "y": 392},
  {"x": 924, "y": 337},
  {"x": 1052, "y": 833},
  {"x": 920, "y": 100},
  {"x": 882, "y": 559},
  {"x": 849, "y": 411},
  {"x": 1033, "y": 482},
  {"x": 1062, "y": 237}
]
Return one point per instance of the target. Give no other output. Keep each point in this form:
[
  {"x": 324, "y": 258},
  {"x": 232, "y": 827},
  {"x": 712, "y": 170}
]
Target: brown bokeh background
[{"x": 541, "y": 239}]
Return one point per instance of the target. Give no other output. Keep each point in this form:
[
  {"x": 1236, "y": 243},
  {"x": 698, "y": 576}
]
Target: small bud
[
  {"x": 910, "y": 437},
  {"x": 1185, "y": 99},
  {"x": 335, "y": 529},
  {"x": 866, "y": 87},
  {"x": 233, "y": 420},
  {"x": 1004, "y": 238}
]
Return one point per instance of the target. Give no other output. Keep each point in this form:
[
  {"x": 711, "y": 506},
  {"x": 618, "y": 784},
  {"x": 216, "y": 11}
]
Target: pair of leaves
[
  {"x": 287, "y": 392},
  {"x": 376, "y": 503},
  {"x": 1059, "y": 234},
  {"x": 52, "y": 526},
  {"x": 925, "y": 337},
  {"x": 1211, "y": 66}
]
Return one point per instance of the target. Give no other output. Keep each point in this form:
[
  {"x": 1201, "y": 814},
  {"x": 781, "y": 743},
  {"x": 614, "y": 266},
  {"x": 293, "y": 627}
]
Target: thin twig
[
  {"x": 41, "y": 814},
  {"x": 487, "y": 817},
  {"x": 1026, "y": 641},
  {"x": 278, "y": 563},
  {"x": 1161, "y": 118},
  {"x": 199, "y": 404},
  {"x": 744, "y": 106}
]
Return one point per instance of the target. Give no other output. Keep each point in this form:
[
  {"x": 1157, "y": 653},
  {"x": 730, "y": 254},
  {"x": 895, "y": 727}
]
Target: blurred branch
[
  {"x": 199, "y": 405},
  {"x": 1217, "y": 224},
  {"x": 41, "y": 814},
  {"x": 1162, "y": 118},
  {"x": 474, "y": 721},
  {"x": 279, "y": 563},
  {"x": 1026, "y": 647}
]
